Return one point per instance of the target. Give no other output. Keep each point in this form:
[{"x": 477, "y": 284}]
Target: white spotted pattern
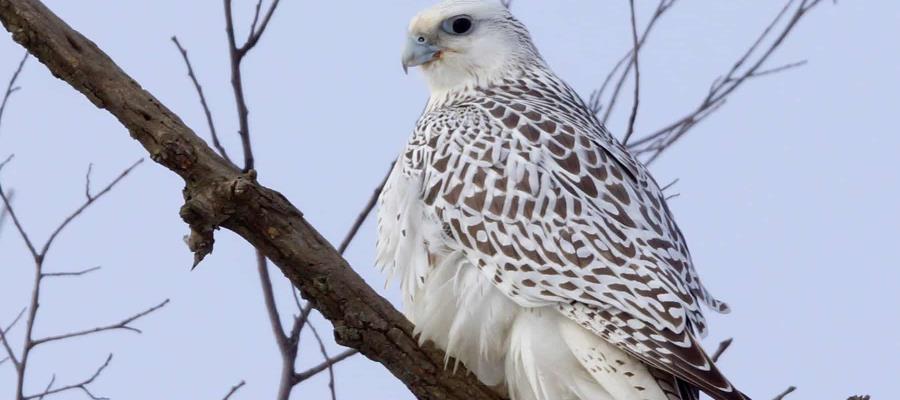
[{"x": 511, "y": 199}]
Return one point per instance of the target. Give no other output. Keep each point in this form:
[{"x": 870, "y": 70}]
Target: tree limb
[{"x": 218, "y": 195}]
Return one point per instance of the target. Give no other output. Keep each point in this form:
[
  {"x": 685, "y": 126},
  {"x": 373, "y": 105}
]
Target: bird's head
[{"x": 461, "y": 43}]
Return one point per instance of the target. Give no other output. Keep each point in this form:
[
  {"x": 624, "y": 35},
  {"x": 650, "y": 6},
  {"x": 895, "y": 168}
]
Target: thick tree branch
[{"x": 218, "y": 195}]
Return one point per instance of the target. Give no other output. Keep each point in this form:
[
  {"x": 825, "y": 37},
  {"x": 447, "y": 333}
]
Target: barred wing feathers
[{"x": 545, "y": 202}]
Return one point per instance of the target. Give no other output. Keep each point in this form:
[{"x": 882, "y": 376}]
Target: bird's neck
[{"x": 442, "y": 95}]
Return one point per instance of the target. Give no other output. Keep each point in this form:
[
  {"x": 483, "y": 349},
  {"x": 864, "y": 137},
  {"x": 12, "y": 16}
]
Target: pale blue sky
[{"x": 788, "y": 195}]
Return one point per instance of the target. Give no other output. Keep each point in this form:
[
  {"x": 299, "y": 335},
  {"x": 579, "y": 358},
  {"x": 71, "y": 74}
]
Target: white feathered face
[{"x": 464, "y": 42}]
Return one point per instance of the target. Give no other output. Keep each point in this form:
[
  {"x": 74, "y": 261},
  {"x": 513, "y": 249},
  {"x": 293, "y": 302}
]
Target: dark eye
[{"x": 458, "y": 25}]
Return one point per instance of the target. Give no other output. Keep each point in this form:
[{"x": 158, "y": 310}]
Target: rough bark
[{"x": 219, "y": 195}]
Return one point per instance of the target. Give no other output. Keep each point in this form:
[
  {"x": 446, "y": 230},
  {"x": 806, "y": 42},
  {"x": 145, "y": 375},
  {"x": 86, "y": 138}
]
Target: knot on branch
[{"x": 207, "y": 205}]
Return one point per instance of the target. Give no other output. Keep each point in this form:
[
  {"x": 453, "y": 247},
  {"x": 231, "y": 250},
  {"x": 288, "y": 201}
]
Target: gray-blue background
[{"x": 789, "y": 195}]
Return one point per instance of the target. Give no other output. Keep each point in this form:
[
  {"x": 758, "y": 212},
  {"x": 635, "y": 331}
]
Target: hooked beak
[{"x": 418, "y": 53}]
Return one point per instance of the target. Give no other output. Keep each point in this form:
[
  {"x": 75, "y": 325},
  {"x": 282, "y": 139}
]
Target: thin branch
[
  {"x": 721, "y": 350},
  {"x": 597, "y": 96},
  {"x": 10, "y": 354},
  {"x": 256, "y": 34},
  {"x": 747, "y": 67},
  {"x": 11, "y": 87},
  {"x": 81, "y": 385},
  {"x": 234, "y": 389},
  {"x": 786, "y": 392},
  {"x": 271, "y": 307},
  {"x": 123, "y": 325},
  {"x": 327, "y": 360},
  {"x": 299, "y": 321},
  {"x": 361, "y": 218},
  {"x": 67, "y": 274},
  {"x": 49, "y": 386},
  {"x": 637, "y": 76},
  {"x": 237, "y": 54},
  {"x": 779, "y": 69},
  {"x": 4, "y": 212},
  {"x": 287, "y": 347},
  {"x": 87, "y": 182},
  {"x": 90, "y": 200},
  {"x": 324, "y": 366},
  {"x": 670, "y": 185},
  {"x": 206, "y": 110},
  {"x": 7, "y": 206}
]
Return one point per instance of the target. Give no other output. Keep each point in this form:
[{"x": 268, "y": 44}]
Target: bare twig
[
  {"x": 234, "y": 389},
  {"x": 237, "y": 54},
  {"x": 39, "y": 257},
  {"x": 199, "y": 89},
  {"x": 11, "y": 195},
  {"x": 324, "y": 366},
  {"x": 66, "y": 274},
  {"x": 721, "y": 350},
  {"x": 327, "y": 361},
  {"x": 287, "y": 347},
  {"x": 90, "y": 200},
  {"x": 80, "y": 385},
  {"x": 786, "y": 392},
  {"x": 778, "y": 69},
  {"x": 49, "y": 386},
  {"x": 637, "y": 76},
  {"x": 596, "y": 99},
  {"x": 12, "y": 88},
  {"x": 10, "y": 354},
  {"x": 361, "y": 218},
  {"x": 7, "y": 205},
  {"x": 123, "y": 325},
  {"x": 748, "y": 66}
]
